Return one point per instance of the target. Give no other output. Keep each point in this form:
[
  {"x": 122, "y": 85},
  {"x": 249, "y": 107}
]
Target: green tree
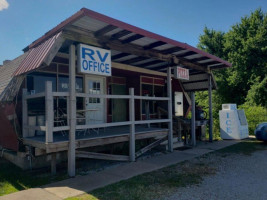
[{"x": 245, "y": 46}]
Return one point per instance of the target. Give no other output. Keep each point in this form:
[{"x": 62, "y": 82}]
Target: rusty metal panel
[
  {"x": 36, "y": 56},
  {"x": 8, "y": 136}
]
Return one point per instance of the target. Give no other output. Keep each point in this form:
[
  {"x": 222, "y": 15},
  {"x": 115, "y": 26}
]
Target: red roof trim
[{"x": 123, "y": 25}]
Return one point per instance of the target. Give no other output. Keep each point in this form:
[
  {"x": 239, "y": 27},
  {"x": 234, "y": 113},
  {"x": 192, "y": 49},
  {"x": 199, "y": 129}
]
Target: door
[
  {"x": 118, "y": 105},
  {"x": 95, "y": 108}
]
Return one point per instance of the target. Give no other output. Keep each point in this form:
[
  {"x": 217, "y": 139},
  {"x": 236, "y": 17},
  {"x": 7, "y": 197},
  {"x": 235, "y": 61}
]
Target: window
[
  {"x": 94, "y": 88},
  {"x": 152, "y": 87},
  {"x": 36, "y": 82}
]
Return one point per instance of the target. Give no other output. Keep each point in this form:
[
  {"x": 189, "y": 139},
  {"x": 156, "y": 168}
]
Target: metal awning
[{"x": 128, "y": 44}]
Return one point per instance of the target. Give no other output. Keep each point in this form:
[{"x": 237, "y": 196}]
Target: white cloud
[{"x": 3, "y": 4}]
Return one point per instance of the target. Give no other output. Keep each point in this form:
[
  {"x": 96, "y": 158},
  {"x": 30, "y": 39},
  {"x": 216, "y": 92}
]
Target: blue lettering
[
  {"x": 101, "y": 67},
  {"x": 102, "y": 59},
  {"x": 88, "y": 52},
  {"x": 90, "y": 65},
  {"x": 107, "y": 68},
  {"x": 228, "y": 122},
  {"x": 85, "y": 65},
  {"x": 95, "y": 66},
  {"x": 228, "y": 130}
]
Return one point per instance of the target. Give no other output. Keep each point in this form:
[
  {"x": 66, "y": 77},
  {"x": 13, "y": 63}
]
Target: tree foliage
[{"x": 245, "y": 46}]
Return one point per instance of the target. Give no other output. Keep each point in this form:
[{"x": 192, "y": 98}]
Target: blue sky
[{"x": 23, "y": 21}]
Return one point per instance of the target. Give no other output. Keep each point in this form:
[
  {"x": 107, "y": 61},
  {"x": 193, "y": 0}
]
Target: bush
[{"x": 255, "y": 115}]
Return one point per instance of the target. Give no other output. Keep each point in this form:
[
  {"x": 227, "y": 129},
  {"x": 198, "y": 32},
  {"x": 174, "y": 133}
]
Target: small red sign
[{"x": 181, "y": 73}]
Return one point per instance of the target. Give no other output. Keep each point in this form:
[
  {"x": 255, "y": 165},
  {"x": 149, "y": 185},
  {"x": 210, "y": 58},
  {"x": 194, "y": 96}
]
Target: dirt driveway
[{"x": 238, "y": 176}]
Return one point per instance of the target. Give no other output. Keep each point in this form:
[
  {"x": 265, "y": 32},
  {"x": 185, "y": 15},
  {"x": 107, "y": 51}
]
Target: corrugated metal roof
[
  {"x": 94, "y": 22},
  {"x": 6, "y": 72},
  {"x": 36, "y": 56}
]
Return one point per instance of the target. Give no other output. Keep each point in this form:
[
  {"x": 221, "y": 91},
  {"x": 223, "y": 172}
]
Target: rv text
[{"x": 94, "y": 61}]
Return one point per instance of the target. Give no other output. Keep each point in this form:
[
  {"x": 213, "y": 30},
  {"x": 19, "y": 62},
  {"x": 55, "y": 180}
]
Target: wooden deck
[{"x": 90, "y": 138}]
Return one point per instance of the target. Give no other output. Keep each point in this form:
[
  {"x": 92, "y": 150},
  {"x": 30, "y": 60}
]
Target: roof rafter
[
  {"x": 89, "y": 38},
  {"x": 132, "y": 38},
  {"x": 105, "y": 30}
]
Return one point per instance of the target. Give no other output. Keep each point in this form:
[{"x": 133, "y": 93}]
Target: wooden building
[{"x": 56, "y": 97}]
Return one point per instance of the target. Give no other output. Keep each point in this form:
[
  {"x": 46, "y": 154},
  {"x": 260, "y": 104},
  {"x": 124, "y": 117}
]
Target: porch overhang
[{"x": 129, "y": 45}]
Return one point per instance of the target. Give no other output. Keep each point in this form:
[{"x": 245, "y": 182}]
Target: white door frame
[{"x": 86, "y": 77}]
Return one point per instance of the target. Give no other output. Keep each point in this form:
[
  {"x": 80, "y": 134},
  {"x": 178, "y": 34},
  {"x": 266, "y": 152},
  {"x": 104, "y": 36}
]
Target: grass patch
[
  {"x": 13, "y": 179},
  {"x": 246, "y": 147},
  {"x": 153, "y": 184}
]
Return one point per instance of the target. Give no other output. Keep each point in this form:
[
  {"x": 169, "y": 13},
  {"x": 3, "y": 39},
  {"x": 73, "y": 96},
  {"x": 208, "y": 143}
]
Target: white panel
[
  {"x": 230, "y": 125},
  {"x": 178, "y": 104}
]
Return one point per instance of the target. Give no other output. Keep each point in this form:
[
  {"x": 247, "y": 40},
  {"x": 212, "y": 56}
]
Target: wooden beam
[
  {"x": 132, "y": 38},
  {"x": 105, "y": 30},
  {"x": 72, "y": 112},
  {"x": 210, "y": 109},
  {"x": 132, "y": 126},
  {"x": 154, "y": 44},
  {"x": 101, "y": 156},
  {"x": 120, "y": 34},
  {"x": 171, "y": 50},
  {"x": 57, "y": 45},
  {"x": 120, "y": 55},
  {"x": 150, "y": 63},
  {"x": 25, "y": 131},
  {"x": 53, "y": 163},
  {"x": 170, "y": 124},
  {"x": 199, "y": 59},
  {"x": 49, "y": 114},
  {"x": 134, "y": 60},
  {"x": 185, "y": 54},
  {"x": 89, "y": 38},
  {"x": 150, "y": 146},
  {"x": 199, "y": 81},
  {"x": 193, "y": 120}
]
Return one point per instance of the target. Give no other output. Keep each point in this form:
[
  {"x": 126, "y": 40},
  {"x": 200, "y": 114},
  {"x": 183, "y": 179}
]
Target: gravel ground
[{"x": 237, "y": 177}]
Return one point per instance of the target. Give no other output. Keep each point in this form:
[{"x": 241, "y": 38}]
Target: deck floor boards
[{"x": 62, "y": 136}]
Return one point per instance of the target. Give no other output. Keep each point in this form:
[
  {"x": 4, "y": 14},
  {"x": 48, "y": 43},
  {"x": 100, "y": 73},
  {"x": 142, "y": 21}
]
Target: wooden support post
[
  {"x": 72, "y": 112},
  {"x": 170, "y": 126},
  {"x": 147, "y": 111},
  {"x": 53, "y": 163},
  {"x": 25, "y": 131},
  {"x": 193, "y": 120},
  {"x": 210, "y": 109},
  {"x": 132, "y": 126},
  {"x": 49, "y": 112},
  {"x": 179, "y": 130}
]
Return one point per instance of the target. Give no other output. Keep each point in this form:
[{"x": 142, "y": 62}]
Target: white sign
[
  {"x": 93, "y": 60},
  {"x": 181, "y": 73}
]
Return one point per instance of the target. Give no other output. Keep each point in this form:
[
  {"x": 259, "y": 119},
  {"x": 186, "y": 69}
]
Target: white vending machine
[{"x": 233, "y": 123}]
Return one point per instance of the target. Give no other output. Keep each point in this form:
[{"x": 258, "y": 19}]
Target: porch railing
[{"x": 49, "y": 127}]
